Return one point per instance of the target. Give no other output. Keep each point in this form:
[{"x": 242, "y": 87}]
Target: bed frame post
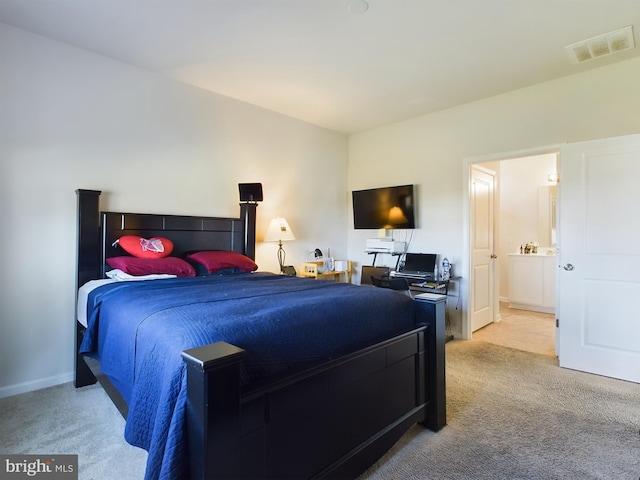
[
  {"x": 87, "y": 267},
  {"x": 248, "y": 212},
  {"x": 213, "y": 410},
  {"x": 432, "y": 312}
]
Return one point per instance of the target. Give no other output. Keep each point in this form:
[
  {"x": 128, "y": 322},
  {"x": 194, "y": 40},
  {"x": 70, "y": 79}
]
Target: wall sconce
[
  {"x": 553, "y": 178},
  {"x": 279, "y": 231}
]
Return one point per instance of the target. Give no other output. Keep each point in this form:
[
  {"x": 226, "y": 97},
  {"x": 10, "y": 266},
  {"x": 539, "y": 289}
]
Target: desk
[{"x": 430, "y": 286}]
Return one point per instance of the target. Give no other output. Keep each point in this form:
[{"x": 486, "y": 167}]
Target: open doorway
[
  {"x": 595, "y": 332},
  {"x": 524, "y": 213}
]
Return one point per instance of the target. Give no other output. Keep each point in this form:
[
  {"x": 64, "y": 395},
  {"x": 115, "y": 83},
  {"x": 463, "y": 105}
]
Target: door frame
[{"x": 465, "y": 291}]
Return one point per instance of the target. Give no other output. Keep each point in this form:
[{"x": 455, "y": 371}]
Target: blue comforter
[{"x": 138, "y": 330}]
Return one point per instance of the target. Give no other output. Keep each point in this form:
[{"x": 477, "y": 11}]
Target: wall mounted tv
[{"x": 386, "y": 207}]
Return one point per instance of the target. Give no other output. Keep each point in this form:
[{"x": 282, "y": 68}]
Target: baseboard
[
  {"x": 532, "y": 308},
  {"x": 11, "y": 390}
]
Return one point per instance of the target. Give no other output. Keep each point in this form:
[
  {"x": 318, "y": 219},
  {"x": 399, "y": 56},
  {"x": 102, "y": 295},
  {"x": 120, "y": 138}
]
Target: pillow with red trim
[
  {"x": 219, "y": 260},
  {"x": 149, "y": 266},
  {"x": 156, "y": 247}
]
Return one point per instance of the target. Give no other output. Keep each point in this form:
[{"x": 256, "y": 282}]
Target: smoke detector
[
  {"x": 358, "y": 7},
  {"x": 602, "y": 45}
]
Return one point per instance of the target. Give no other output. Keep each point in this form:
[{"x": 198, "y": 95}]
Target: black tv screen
[{"x": 386, "y": 207}]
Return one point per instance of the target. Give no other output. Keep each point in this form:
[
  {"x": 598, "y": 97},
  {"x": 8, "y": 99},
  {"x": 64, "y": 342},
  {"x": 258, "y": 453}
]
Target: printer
[{"x": 384, "y": 245}]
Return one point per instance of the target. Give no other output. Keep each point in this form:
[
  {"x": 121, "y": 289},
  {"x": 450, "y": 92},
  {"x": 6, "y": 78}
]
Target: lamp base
[{"x": 281, "y": 256}]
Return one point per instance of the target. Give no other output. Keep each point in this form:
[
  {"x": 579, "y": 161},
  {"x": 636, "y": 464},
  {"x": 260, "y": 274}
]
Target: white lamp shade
[{"x": 278, "y": 230}]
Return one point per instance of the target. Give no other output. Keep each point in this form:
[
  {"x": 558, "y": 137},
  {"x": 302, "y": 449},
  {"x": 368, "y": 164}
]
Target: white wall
[
  {"x": 430, "y": 151},
  {"x": 70, "y": 119}
]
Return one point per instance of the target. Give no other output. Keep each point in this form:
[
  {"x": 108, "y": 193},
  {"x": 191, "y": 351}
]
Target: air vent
[{"x": 602, "y": 45}]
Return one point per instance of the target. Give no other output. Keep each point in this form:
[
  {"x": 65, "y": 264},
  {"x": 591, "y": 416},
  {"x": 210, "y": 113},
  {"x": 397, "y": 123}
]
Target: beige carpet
[
  {"x": 513, "y": 414},
  {"x": 521, "y": 329},
  {"x": 68, "y": 420}
]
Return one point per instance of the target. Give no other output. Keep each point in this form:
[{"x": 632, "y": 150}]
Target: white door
[
  {"x": 599, "y": 265},
  {"x": 481, "y": 208}
]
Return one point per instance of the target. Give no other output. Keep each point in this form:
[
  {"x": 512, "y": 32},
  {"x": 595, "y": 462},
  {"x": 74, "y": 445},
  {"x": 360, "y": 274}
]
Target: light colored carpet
[
  {"x": 511, "y": 415},
  {"x": 68, "y": 420},
  {"x": 517, "y": 415}
]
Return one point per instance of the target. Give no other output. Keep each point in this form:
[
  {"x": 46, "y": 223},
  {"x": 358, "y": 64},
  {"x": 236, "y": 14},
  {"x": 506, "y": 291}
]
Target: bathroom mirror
[{"x": 547, "y": 216}]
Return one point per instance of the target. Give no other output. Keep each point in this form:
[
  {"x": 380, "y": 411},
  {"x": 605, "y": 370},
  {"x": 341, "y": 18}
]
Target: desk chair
[
  {"x": 393, "y": 283},
  {"x": 368, "y": 271}
]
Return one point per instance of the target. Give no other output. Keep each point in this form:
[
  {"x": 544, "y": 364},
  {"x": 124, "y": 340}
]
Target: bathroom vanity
[{"x": 532, "y": 282}]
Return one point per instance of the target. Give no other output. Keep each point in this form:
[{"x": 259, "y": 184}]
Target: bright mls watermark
[{"x": 52, "y": 467}]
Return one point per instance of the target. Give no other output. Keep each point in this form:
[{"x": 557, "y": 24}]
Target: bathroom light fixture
[{"x": 279, "y": 231}]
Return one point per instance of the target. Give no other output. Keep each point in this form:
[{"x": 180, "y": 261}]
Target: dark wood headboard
[{"x": 98, "y": 230}]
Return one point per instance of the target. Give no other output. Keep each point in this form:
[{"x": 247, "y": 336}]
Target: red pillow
[
  {"x": 216, "y": 260},
  {"x": 150, "y": 266},
  {"x": 156, "y": 247}
]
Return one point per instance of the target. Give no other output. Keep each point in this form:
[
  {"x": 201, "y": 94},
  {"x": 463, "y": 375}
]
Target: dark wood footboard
[{"x": 333, "y": 421}]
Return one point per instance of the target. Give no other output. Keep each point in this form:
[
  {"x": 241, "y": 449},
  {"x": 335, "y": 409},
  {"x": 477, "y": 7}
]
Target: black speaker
[{"x": 250, "y": 192}]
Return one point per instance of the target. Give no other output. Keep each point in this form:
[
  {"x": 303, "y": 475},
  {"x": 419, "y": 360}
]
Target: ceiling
[{"x": 346, "y": 65}]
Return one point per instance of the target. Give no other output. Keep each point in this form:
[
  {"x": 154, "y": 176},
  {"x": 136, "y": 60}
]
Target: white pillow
[{"x": 119, "y": 276}]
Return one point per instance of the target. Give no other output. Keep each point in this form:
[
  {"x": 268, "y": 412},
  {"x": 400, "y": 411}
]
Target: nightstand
[{"x": 315, "y": 270}]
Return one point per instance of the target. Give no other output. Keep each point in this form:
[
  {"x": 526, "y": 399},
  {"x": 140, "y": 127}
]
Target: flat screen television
[{"x": 385, "y": 207}]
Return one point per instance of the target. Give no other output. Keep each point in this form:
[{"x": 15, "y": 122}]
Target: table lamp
[{"x": 279, "y": 231}]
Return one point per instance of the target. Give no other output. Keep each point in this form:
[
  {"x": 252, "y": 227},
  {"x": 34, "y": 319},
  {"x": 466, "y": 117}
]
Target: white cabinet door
[
  {"x": 525, "y": 275},
  {"x": 532, "y": 282}
]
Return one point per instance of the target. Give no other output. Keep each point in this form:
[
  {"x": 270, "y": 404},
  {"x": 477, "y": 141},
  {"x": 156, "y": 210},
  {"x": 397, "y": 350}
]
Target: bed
[{"x": 295, "y": 378}]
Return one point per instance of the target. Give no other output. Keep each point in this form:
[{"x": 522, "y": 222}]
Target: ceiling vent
[{"x": 602, "y": 45}]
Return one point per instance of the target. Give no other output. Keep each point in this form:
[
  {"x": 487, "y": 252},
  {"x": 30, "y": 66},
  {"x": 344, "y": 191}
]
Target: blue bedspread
[{"x": 138, "y": 330}]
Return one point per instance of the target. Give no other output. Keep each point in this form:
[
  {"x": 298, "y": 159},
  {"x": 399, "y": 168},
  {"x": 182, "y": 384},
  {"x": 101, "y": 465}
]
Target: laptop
[{"x": 418, "y": 266}]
